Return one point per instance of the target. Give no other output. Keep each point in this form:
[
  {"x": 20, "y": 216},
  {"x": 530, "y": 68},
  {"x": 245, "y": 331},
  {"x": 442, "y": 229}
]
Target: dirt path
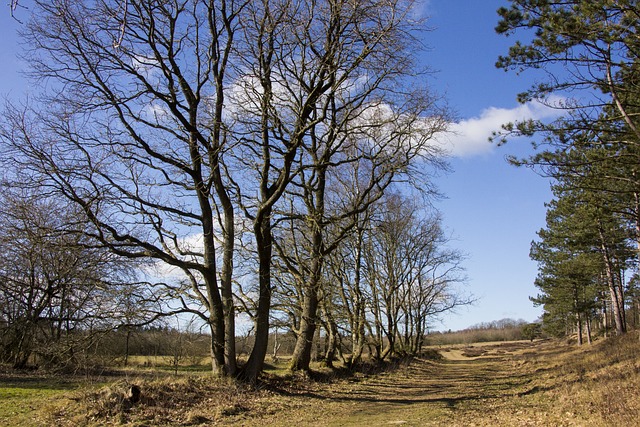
[{"x": 459, "y": 390}]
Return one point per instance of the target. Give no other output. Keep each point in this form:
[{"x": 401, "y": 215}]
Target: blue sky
[
  {"x": 10, "y": 79},
  {"x": 492, "y": 209}
]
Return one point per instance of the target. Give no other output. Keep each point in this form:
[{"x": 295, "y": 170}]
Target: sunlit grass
[
  {"x": 20, "y": 398},
  {"x": 504, "y": 384}
]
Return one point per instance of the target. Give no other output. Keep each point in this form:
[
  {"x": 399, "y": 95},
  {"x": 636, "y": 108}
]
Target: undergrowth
[{"x": 187, "y": 400}]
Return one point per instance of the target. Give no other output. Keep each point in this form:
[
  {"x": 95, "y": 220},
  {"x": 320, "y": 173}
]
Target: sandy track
[{"x": 459, "y": 390}]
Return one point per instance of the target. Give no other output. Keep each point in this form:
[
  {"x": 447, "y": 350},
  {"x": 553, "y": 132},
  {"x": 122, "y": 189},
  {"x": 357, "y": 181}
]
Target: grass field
[
  {"x": 23, "y": 394},
  {"x": 492, "y": 384}
]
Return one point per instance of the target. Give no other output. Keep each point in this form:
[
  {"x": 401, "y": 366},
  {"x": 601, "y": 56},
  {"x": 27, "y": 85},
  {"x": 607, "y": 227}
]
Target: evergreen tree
[
  {"x": 589, "y": 51},
  {"x": 583, "y": 251}
]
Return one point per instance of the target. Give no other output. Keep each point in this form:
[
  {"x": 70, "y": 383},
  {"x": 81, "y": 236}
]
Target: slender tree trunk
[
  {"x": 276, "y": 346},
  {"x": 308, "y": 321},
  {"x": 617, "y": 300},
  {"x": 333, "y": 335},
  {"x": 377, "y": 322},
  {"x": 209, "y": 269},
  {"x": 605, "y": 315},
  {"x": 621, "y": 297},
  {"x": 126, "y": 347},
  {"x": 579, "y": 320},
  {"x": 358, "y": 321},
  {"x": 390, "y": 333},
  {"x": 302, "y": 351},
  {"x": 228, "y": 246},
  {"x": 227, "y": 292},
  {"x": 360, "y": 335},
  {"x": 317, "y": 347},
  {"x": 217, "y": 347},
  {"x": 316, "y": 211},
  {"x": 216, "y": 323},
  {"x": 22, "y": 347},
  {"x": 420, "y": 333},
  {"x": 219, "y": 67},
  {"x": 636, "y": 198},
  {"x": 21, "y": 352},
  {"x": 264, "y": 241},
  {"x": 616, "y": 303}
]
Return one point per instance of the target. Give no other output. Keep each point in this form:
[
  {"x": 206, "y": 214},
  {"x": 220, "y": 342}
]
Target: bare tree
[
  {"x": 163, "y": 119},
  {"x": 57, "y": 290},
  {"x": 368, "y": 126},
  {"x": 131, "y": 131},
  {"x": 321, "y": 88},
  {"x": 431, "y": 285},
  {"x": 411, "y": 275},
  {"x": 345, "y": 267}
]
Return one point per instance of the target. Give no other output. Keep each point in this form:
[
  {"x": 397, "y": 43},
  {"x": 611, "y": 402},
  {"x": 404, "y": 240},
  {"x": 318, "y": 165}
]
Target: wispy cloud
[
  {"x": 422, "y": 9},
  {"x": 470, "y": 137}
]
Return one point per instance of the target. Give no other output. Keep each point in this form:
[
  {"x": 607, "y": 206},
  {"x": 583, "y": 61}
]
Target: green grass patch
[{"x": 21, "y": 398}]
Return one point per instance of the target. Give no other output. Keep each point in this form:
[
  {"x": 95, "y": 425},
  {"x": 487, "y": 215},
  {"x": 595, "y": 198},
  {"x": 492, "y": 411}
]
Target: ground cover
[
  {"x": 492, "y": 384},
  {"x": 23, "y": 393}
]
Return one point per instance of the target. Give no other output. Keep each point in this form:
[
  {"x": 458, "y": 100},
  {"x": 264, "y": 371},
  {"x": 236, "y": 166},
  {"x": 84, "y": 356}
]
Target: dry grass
[
  {"x": 495, "y": 384},
  {"x": 169, "y": 401},
  {"x": 600, "y": 384}
]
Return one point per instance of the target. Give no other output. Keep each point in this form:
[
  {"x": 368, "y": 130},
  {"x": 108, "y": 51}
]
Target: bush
[{"x": 532, "y": 331}]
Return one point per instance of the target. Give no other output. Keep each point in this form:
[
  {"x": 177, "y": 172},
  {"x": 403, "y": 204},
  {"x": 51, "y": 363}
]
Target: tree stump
[{"x": 133, "y": 394}]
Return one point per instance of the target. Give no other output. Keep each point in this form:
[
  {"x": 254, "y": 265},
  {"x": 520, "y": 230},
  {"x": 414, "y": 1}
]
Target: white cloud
[
  {"x": 421, "y": 9},
  {"x": 146, "y": 66},
  {"x": 192, "y": 245},
  {"x": 470, "y": 137}
]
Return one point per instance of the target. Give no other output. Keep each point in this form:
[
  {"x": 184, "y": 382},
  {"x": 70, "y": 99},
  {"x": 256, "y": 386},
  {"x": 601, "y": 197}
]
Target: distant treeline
[{"x": 497, "y": 330}]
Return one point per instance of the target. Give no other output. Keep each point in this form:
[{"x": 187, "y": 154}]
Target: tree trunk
[
  {"x": 359, "y": 334},
  {"x": 276, "y": 346},
  {"x": 579, "y": 320},
  {"x": 264, "y": 241},
  {"x": 22, "y": 348},
  {"x": 617, "y": 300},
  {"x": 390, "y": 333},
  {"x": 217, "y": 348},
  {"x": 333, "y": 344},
  {"x": 227, "y": 294},
  {"x": 605, "y": 315},
  {"x": 308, "y": 322},
  {"x": 621, "y": 297},
  {"x": 316, "y": 211},
  {"x": 617, "y": 309},
  {"x": 126, "y": 346},
  {"x": 216, "y": 320},
  {"x": 302, "y": 351},
  {"x": 357, "y": 313}
]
